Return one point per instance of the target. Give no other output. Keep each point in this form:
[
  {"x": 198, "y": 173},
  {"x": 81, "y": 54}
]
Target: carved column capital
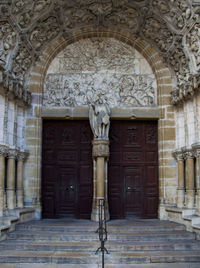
[
  {"x": 178, "y": 155},
  {"x": 3, "y": 150},
  {"x": 188, "y": 154},
  {"x": 196, "y": 149},
  {"x": 22, "y": 156},
  {"x": 100, "y": 148},
  {"x": 12, "y": 153}
]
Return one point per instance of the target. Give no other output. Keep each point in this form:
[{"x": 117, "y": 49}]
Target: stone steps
[
  {"x": 74, "y": 243},
  {"x": 92, "y": 245},
  {"x": 92, "y": 236}
]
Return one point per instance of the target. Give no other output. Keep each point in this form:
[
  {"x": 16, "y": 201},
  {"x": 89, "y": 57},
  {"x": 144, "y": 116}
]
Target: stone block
[{"x": 167, "y": 134}]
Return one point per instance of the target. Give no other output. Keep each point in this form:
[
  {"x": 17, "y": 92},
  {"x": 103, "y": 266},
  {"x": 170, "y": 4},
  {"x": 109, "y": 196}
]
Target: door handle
[
  {"x": 70, "y": 188},
  {"x": 128, "y": 188}
]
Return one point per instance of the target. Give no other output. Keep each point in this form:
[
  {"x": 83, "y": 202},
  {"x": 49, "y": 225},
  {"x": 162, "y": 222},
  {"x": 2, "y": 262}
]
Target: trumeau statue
[{"x": 99, "y": 117}]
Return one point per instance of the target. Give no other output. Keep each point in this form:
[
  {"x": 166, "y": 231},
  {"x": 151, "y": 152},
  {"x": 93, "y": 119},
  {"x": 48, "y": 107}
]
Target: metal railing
[{"x": 102, "y": 230}]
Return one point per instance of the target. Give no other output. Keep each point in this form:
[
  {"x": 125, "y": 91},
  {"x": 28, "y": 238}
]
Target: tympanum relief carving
[{"x": 99, "y": 68}]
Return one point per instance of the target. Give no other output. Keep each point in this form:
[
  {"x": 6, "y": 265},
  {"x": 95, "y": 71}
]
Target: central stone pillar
[{"x": 100, "y": 155}]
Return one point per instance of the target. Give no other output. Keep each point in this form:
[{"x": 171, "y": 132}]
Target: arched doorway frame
[{"x": 166, "y": 123}]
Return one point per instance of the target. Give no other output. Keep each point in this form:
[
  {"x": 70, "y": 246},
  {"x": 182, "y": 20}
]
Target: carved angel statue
[{"x": 99, "y": 117}]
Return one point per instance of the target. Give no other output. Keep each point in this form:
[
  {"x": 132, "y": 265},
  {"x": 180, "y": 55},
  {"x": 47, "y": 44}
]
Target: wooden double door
[{"x": 67, "y": 169}]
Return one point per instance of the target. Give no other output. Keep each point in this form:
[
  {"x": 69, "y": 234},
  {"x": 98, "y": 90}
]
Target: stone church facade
[{"x": 142, "y": 59}]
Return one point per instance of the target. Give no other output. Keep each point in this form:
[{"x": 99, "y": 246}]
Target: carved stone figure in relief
[{"x": 99, "y": 116}]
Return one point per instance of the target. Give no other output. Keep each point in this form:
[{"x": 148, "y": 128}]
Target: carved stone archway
[{"x": 166, "y": 122}]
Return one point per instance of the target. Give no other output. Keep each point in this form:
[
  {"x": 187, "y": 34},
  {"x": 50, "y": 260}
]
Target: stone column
[
  {"x": 190, "y": 191},
  {"x": 100, "y": 156},
  {"x": 196, "y": 148},
  {"x": 20, "y": 182},
  {"x": 10, "y": 191},
  {"x": 3, "y": 152},
  {"x": 181, "y": 187}
]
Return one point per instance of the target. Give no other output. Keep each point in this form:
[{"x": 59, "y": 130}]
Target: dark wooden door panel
[
  {"x": 67, "y": 165},
  {"x": 115, "y": 200},
  {"x": 133, "y": 190},
  {"x": 133, "y": 169}
]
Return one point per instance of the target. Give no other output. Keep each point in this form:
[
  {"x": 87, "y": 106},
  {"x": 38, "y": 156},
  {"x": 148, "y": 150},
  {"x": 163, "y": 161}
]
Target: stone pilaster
[
  {"x": 20, "y": 183},
  {"x": 190, "y": 191},
  {"x": 3, "y": 152},
  {"x": 10, "y": 191},
  {"x": 180, "y": 198},
  {"x": 100, "y": 156}
]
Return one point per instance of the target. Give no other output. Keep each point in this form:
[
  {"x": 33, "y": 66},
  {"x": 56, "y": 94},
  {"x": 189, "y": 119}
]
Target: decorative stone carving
[
  {"x": 33, "y": 9},
  {"x": 12, "y": 153},
  {"x": 3, "y": 150},
  {"x": 161, "y": 23},
  {"x": 99, "y": 66},
  {"x": 188, "y": 154},
  {"x": 44, "y": 32},
  {"x": 99, "y": 116},
  {"x": 193, "y": 43},
  {"x": 178, "y": 155},
  {"x": 21, "y": 156},
  {"x": 7, "y": 41},
  {"x": 100, "y": 148},
  {"x": 196, "y": 149},
  {"x": 21, "y": 63},
  {"x": 158, "y": 33}
]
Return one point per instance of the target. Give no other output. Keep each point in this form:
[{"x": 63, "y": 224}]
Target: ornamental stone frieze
[{"x": 99, "y": 68}]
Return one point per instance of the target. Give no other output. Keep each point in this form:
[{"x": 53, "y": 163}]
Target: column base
[
  {"x": 180, "y": 198},
  {"x": 11, "y": 199},
  {"x": 189, "y": 198}
]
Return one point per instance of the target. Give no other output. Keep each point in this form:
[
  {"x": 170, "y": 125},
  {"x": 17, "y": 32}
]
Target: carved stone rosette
[{"x": 100, "y": 148}]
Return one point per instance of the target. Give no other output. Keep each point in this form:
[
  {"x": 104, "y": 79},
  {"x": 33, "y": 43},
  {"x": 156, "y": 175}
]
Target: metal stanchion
[{"x": 102, "y": 230}]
